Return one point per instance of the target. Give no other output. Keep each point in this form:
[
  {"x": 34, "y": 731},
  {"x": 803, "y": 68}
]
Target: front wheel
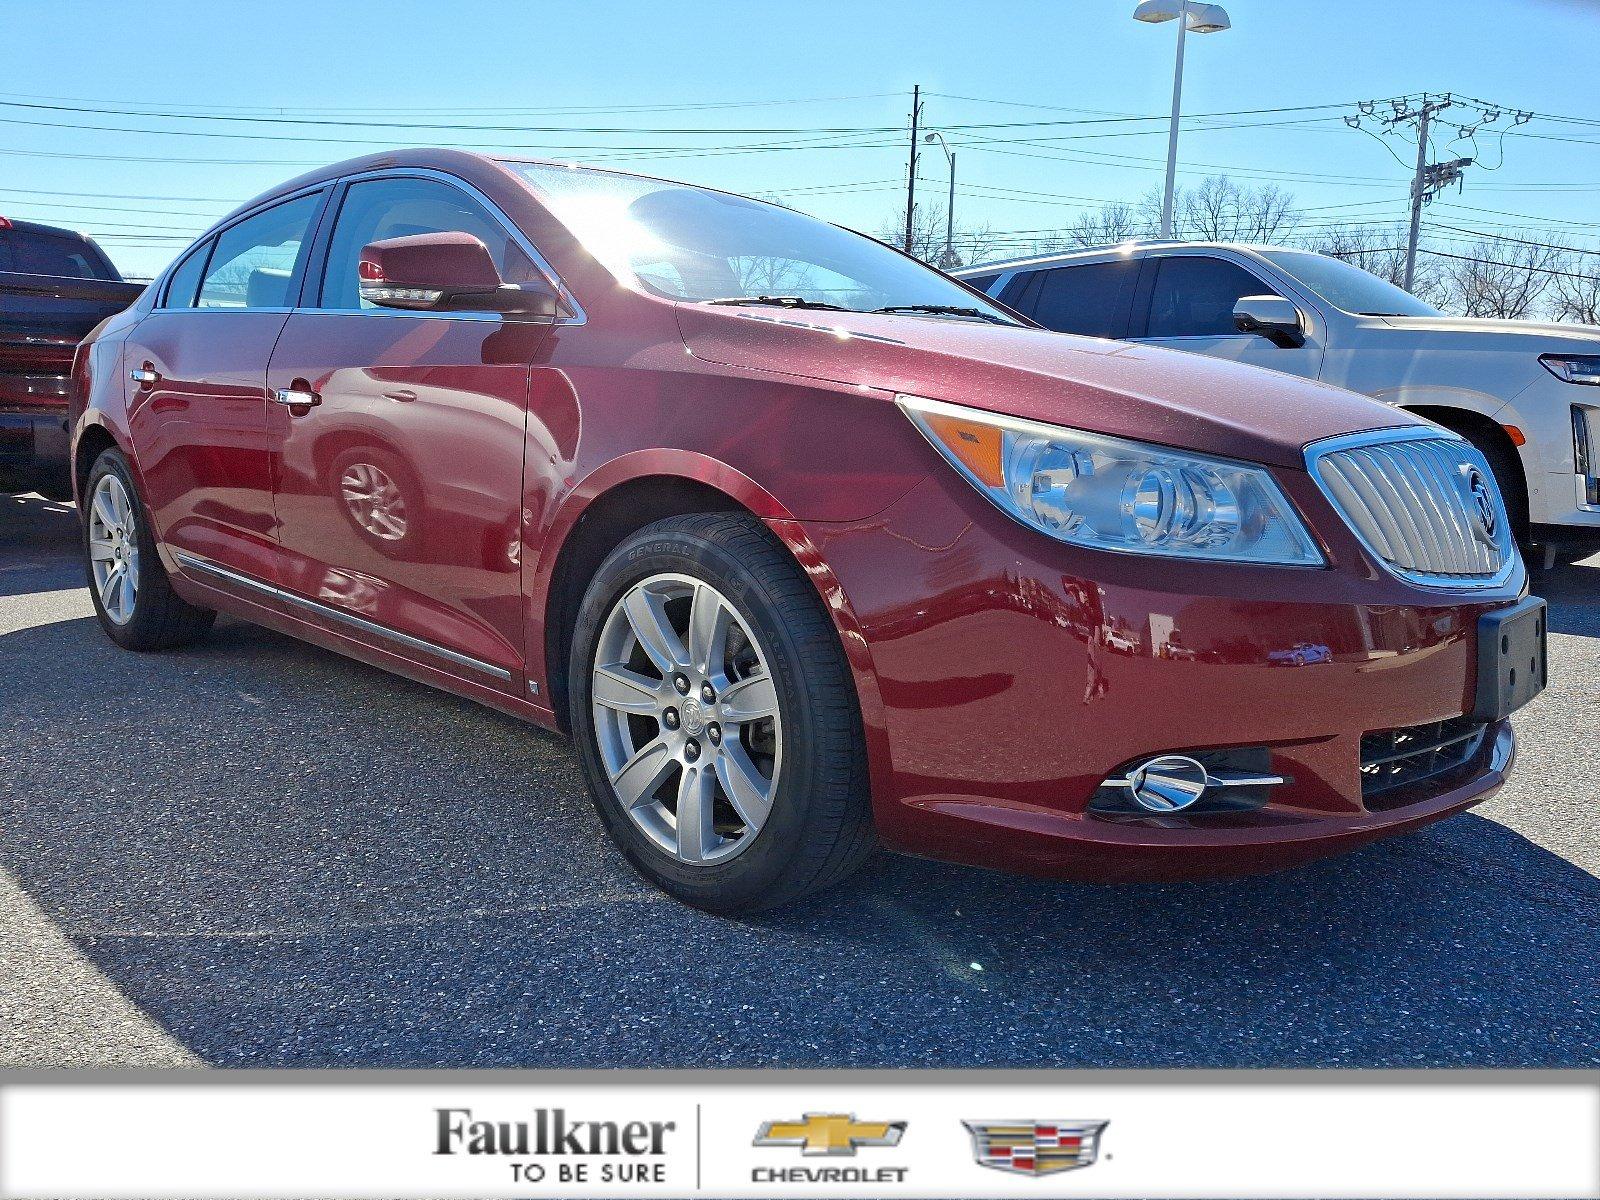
[
  {"x": 716, "y": 718},
  {"x": 132, "y": 596}
]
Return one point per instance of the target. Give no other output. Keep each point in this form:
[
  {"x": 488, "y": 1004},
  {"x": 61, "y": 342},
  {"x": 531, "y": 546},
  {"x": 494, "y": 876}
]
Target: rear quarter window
[
  {"x": 1091, "y": 299},
  {"x": 56, "y": 254},
  {"x": 982, "y": 282}
]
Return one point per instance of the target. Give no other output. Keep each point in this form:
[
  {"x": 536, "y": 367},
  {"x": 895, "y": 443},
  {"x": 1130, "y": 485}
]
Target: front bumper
[{"x": 1011, "y": 676}]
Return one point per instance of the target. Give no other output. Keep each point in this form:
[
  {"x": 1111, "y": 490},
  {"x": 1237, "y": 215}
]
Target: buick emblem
[
  {"x": 1483, "y": 506},
  {"x": 694, "y": 717}
]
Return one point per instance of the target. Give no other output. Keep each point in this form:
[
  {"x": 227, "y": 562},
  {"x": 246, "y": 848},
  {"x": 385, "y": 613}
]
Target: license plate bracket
[{"x": 1512, "y": 659}]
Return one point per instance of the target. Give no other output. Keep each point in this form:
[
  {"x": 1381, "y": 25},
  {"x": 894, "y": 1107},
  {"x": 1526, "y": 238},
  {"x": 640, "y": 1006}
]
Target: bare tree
[
  {"x": 1496, "y": 277},
  {"x": 972, "y": 243},
  {"x": 1222, "y": 210},
  {"x": 1382, "y": 252},
  {"x": 1105, "y": 226},
  {"x": 1575, "y": 294}
]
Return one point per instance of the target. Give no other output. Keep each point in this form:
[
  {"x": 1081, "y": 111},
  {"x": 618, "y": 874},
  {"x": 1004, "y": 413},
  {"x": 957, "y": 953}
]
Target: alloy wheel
[
  {"x": 114, "y": 548},
  {"x": 687, "y": 718}
]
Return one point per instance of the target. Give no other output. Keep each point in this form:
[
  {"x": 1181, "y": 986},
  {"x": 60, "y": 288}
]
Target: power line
[{"x": 1514, "y": 266}]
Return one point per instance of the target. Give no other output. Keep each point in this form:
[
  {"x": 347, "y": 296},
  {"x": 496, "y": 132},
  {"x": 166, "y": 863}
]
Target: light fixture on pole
[
  {"x": 1200, "y": 18},
  {"x": 948, "y": 259}
]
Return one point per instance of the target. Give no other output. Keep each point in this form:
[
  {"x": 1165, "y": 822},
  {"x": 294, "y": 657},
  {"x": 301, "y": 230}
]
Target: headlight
[
  {"x": 1090, "y": 490},
  {"x": 1573, "y": 368}
]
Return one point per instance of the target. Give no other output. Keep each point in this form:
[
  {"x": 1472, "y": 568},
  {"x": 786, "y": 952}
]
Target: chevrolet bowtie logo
[{"x": 830, "y": 1133}]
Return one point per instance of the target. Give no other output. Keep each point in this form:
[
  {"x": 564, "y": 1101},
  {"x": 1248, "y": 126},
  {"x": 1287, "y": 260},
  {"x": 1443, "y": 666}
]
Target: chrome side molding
[{"x": 206, "y": 567}]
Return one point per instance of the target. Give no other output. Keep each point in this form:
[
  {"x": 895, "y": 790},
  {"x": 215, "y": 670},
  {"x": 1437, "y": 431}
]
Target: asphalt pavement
[{"x": 257, "y": 853}]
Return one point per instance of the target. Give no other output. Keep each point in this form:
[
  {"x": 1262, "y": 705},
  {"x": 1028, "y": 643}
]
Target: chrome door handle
[
  {"x": 296, "y": 398},
  {"x": 144, "y": 375}
]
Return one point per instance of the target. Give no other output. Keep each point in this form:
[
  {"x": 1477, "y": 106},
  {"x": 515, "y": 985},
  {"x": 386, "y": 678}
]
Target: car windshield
[
  {"x": 690, "y": 243},
  {"x": 1348, "y": 287}
]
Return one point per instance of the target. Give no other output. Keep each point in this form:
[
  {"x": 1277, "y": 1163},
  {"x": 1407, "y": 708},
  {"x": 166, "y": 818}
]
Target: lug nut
[
  {"x": 707, "y": 694},
  {"x": 681, "y": 682},
  {"x": 714, "y": 732},
  {"x": 670, "y": 718},
  {"x": 691, "y": 750}
]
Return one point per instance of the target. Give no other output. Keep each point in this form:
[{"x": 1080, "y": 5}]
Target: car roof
[
  {"x": 18, "y": 223},
  {"x": 1099, "y": 253}
]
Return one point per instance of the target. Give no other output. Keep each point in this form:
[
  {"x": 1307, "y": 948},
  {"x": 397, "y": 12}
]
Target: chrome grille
[{"x": 1409, "y": 496}]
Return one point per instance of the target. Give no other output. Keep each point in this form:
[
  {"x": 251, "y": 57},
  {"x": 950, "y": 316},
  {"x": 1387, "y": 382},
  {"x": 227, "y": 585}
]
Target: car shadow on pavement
[
  {"x": 288, "y": 858},
  {"x": 33, "y": 532},
  {"x": 1574, "y": 596}
]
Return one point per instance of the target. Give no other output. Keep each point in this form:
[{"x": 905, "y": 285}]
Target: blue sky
[{"x": 787, "y": 72}]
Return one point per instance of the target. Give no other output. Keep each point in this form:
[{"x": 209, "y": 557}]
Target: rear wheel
[
  {"x": 716, "y": 719},
  {"x": 132, "y": 596}
]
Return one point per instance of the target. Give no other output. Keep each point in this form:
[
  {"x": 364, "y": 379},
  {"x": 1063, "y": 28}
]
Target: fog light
[
  {"x": 1167, "y": 784},
  {"x": 1170, "y": 783}
]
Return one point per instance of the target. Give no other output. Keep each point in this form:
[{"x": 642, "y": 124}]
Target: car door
[
  {"x": 197, "y": 388},
  {"x": 1186, "y": 302},
  {"x": 398, "y": 493}
]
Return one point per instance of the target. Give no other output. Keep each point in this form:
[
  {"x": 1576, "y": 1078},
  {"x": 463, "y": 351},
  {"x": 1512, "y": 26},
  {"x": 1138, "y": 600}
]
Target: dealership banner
[{"x": 888, "y": 1134}]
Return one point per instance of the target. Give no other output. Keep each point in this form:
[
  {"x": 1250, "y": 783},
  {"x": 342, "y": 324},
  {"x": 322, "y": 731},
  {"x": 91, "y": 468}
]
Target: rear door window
[
  {"x": 1018, "y": 292},
  {"x": 1194, "y": 295},
  {"x": 54, "y": 254},
  {"x": 1090, "y": 299},
  {"x": 982, "y": 282},
  {"x": 254, "y": 263}
]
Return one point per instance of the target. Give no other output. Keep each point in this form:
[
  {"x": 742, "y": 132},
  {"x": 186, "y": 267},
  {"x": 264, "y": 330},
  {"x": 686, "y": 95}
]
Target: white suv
[{"x": 1527, "y": 394}]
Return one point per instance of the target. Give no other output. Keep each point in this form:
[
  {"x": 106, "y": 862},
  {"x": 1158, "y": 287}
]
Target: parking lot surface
[{"x": 258, "y": 853}]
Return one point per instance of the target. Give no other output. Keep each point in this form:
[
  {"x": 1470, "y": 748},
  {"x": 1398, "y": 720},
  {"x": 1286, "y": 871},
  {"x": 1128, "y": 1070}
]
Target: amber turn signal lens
[
  {"x": 976, "y": 446},
  {"x": 1518, "y": 438}
]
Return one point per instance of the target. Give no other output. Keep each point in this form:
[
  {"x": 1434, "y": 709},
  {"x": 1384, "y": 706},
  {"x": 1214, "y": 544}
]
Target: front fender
[{"x": 703, "y": 469}]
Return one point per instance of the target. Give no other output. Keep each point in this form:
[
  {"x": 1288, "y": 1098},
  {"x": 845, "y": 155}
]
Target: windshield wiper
[
  {"x": 944, "y": 310},
  {"x": 784, "y": 302}
]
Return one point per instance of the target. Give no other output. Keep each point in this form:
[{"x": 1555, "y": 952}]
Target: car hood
[
  {"x": 1489, "y": 333},
  {"x": 1169, "y": 397}
]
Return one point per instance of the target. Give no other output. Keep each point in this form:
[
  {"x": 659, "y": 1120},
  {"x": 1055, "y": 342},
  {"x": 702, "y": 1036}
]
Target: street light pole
[
  {"x": 948, "y": 258},
  {"x": 1202, "y": 18},
  {"x": 1172, "y": 132}
]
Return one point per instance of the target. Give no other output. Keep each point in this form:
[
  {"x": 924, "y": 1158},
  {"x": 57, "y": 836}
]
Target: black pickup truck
[{"x": 55, "y": 286}]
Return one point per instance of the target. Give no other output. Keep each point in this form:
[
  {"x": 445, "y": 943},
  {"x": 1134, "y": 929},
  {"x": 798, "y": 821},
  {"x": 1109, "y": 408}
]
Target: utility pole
[
  {"x": 1419, "y": 184},
  {"x": 911, "y": 172},
  {"x": 1432, "y": 178}
]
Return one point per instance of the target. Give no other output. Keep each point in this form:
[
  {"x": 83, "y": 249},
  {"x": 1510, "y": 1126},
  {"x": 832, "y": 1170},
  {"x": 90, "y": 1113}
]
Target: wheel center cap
[{"x": 694, "y": 716}]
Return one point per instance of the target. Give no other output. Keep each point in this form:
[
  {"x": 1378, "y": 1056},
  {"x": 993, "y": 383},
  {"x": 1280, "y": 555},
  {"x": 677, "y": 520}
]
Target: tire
[
  {"x": 1507, "y": 472},
  {"x": 779, "y": 652},
  {"x": 153, "y": 617}
]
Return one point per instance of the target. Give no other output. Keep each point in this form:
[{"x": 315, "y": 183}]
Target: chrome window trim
[
  {"x": 1316, "y": 451},
  {"x": 206, "y": 567},
  {"x": 552, "y": 276},
  {"x": 232, "y": 311}
]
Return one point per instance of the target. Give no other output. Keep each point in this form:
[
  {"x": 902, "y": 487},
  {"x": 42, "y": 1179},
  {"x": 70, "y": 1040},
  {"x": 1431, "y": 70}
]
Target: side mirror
[
  {"x": 447, "y": 272},
  {"x": 1273, "y": 317}
]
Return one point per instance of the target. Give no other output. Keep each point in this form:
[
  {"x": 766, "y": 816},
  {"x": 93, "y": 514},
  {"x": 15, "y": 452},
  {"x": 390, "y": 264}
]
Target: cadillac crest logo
[{"x": 1035, "y": 1147}]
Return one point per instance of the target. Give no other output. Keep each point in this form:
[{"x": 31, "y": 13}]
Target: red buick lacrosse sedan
[{"x": 809, "y": 547}]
